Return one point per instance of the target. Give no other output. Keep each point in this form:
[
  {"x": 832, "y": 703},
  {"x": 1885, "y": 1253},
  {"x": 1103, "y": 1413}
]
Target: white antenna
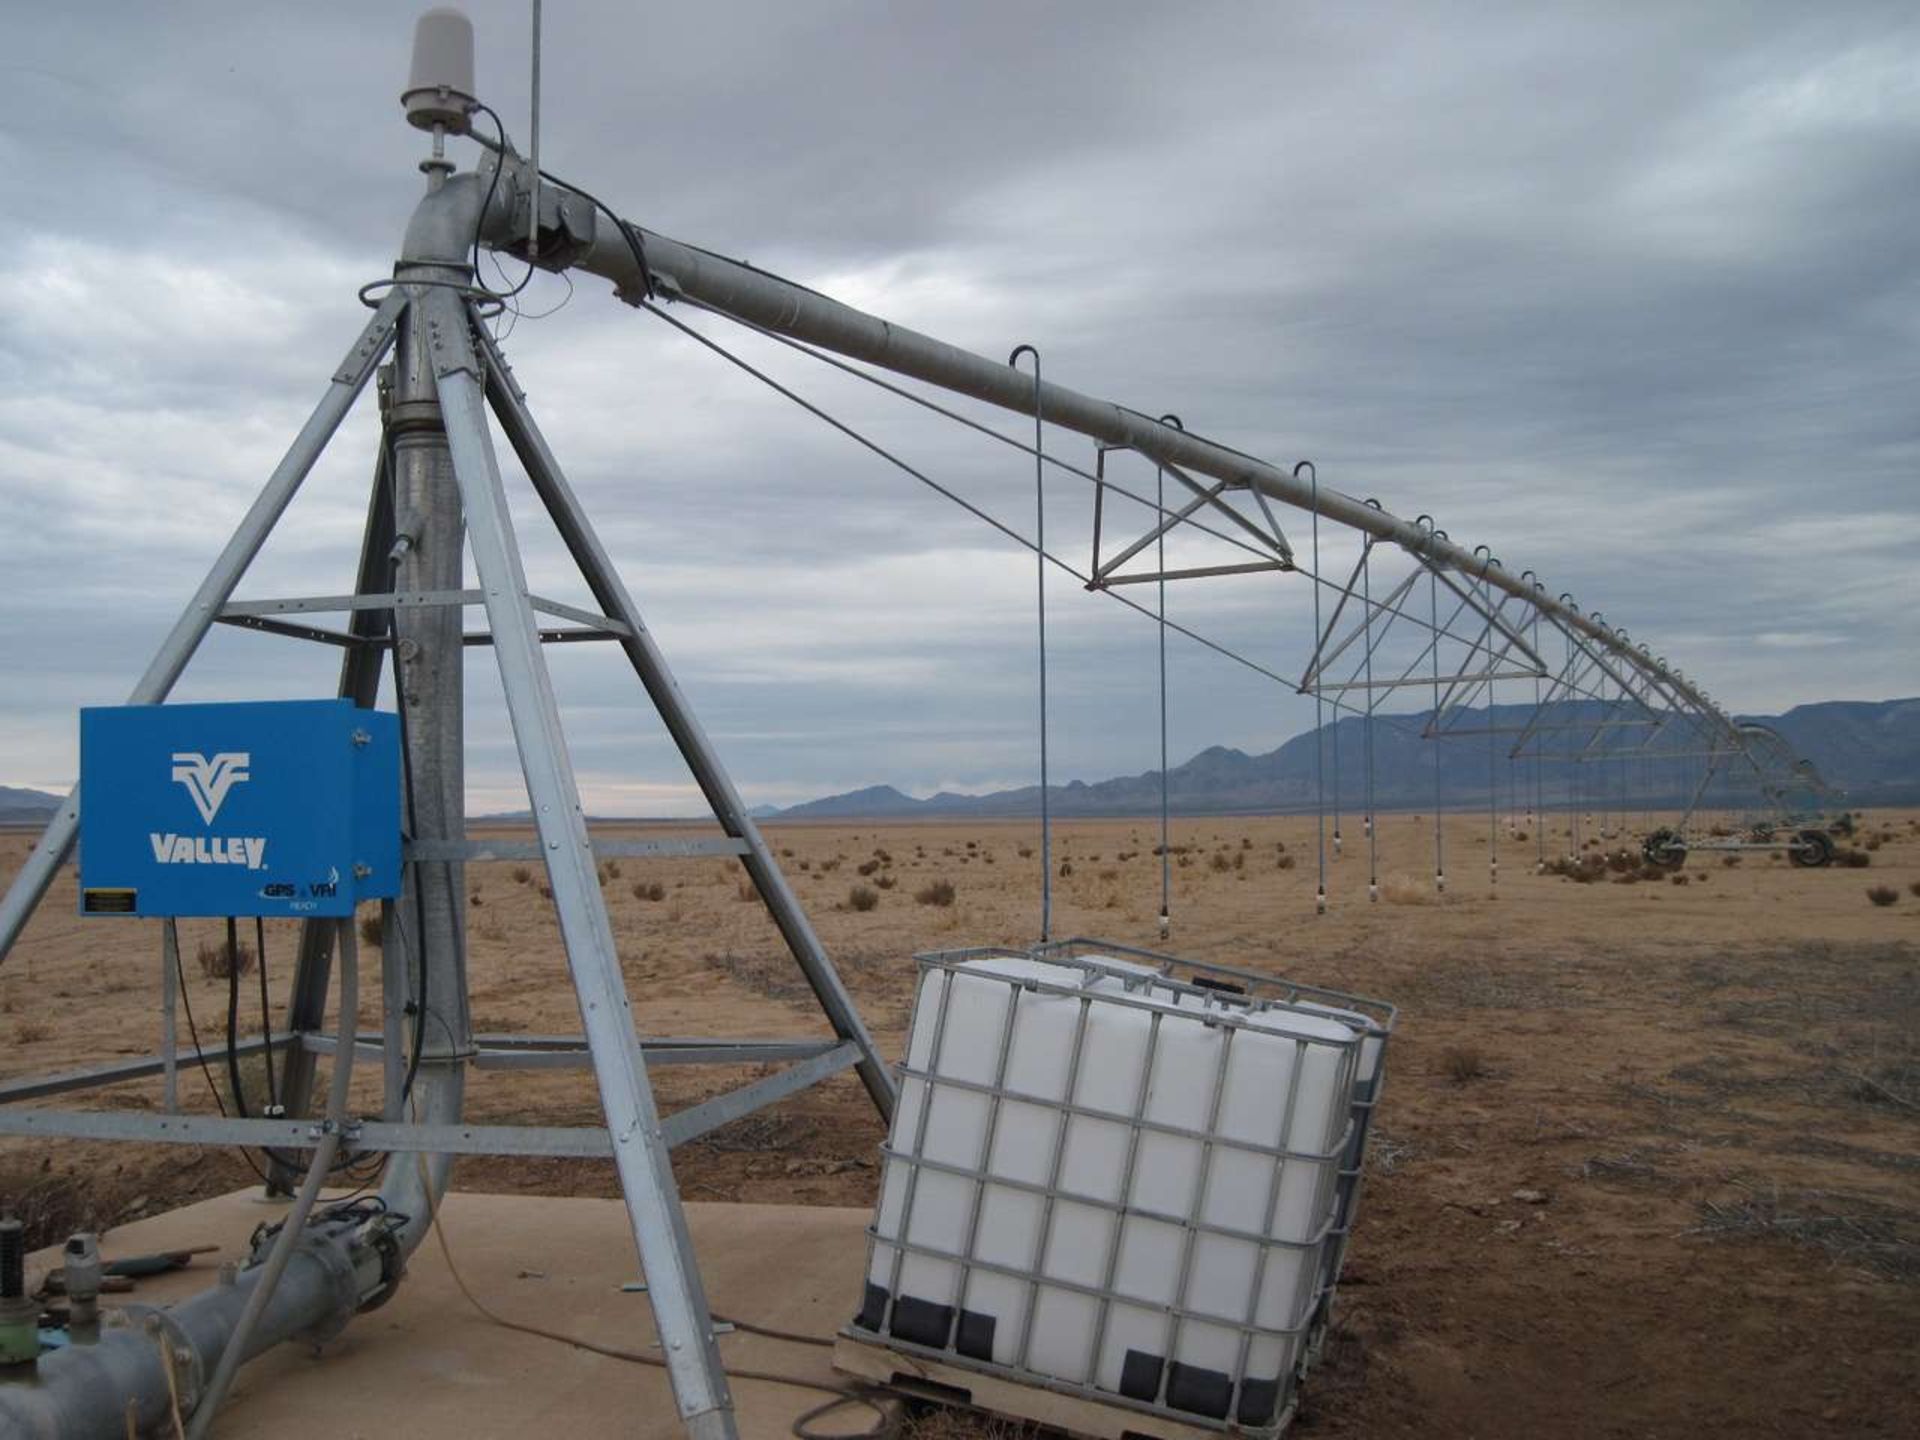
[
  {"x": 533, "y": 206},
  {"x": 440, "y": 93}
]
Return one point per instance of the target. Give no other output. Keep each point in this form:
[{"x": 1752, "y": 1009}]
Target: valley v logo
[{"x": 209, "y": 781}]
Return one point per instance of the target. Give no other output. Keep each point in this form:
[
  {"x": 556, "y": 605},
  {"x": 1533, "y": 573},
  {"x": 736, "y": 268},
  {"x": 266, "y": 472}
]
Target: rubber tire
[
  {"x": 1814, "y": 851},
  {"x": 1665, "y": 849}
]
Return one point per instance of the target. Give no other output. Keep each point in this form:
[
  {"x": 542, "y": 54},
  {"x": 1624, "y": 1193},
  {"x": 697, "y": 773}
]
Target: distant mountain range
[
  {"x": 1869, "y": 749},
  {"x": 22, "y": 806}
]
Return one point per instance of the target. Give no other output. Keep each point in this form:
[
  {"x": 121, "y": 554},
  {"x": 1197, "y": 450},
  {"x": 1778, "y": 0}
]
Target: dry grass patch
[
  {"x": 221, "y": 961},
  {"x": 1850, "y": 1230},
  {"x": 1405, "y": 890}
]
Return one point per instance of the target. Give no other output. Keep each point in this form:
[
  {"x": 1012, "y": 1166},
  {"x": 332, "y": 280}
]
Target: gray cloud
[{"x": 1625, "y": 295}]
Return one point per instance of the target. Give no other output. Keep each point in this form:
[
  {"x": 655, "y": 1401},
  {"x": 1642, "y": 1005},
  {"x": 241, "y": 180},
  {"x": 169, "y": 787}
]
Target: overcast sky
[{"x": 1627, "y": 293}]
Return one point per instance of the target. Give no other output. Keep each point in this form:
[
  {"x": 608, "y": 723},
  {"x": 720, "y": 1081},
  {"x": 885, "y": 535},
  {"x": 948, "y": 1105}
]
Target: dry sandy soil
[{"x": 1714, "y": 1084}]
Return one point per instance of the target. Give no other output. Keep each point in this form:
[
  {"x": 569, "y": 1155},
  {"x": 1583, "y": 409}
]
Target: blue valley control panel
[{"x": 274, "y": 808}]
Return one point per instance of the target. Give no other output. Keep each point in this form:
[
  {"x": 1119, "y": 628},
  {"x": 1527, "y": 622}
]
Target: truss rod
[
  {"x": 949, "y": 493},
  {"x": 766, "y": 301}
]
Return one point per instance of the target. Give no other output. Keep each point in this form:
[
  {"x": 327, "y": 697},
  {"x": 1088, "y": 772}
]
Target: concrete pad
[{"x": 429, "y": 1367}]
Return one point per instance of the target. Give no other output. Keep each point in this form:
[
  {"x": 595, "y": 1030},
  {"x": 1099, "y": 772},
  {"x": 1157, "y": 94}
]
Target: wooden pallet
[{"x": 920, "y": 1378}]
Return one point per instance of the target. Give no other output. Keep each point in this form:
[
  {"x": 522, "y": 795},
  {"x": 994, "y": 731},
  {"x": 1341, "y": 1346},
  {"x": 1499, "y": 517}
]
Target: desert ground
[{"x": 1648, "y": 1161}]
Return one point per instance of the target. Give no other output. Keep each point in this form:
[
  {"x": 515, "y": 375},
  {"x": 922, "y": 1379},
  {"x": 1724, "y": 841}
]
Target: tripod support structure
[{"x": 438, "y": 499}]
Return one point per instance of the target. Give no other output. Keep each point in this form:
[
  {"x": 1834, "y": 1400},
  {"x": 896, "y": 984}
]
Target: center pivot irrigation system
[{"x": 1414, "y": 612}]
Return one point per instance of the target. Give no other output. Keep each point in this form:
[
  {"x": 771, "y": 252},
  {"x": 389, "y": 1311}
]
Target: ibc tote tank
[
  {"x": 1372, "y": 1017},
  {"x": 1108, "y": 1180}
]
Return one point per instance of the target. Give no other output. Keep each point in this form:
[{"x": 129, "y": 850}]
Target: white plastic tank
[
  {"x": 1113, "y": 1180},
  {"x": 1372, "y": 1018}
]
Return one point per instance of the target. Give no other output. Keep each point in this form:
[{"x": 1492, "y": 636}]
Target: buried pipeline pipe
[{"x": 141, "y": 1375}]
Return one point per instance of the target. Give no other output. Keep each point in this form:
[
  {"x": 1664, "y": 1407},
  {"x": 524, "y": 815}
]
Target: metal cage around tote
[
  {"x": 945, "y": 1328},
  {"x": 1381, "y": 1017}
]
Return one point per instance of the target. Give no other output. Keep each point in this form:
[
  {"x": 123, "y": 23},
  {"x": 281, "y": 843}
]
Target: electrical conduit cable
[
  {"x": 234, "y": 1353},
  {"x": 841, "y": 1394}
]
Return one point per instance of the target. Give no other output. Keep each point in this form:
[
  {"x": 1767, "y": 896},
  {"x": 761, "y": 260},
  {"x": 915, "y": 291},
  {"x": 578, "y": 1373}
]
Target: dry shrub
[
  {"x": 1109, "y": 874},
  {"x": 1852, "y": 859},
  {"x": 218, "y": 962},
  {"x": 937, "y": 892},
  {"x": 1461, "y": 1063},
  {"x": 1066, "y": 869},
  {"x": 642, "y": 890},
  {"x": 1853, "y": 1230},
  {"x": 371, "y": 932},
  {"x": 1882, "y": 895},
  {"x": 743, "y": 891},
  {"x": 1872, "y": 842},
  {"x": 29, "y": 1031},
  {"x": 867, "y": 867},
  {"x": 1914, "y": 888},
  {"x": 474, "y": 899},
  {"x": 1581, "y": 869},
  {"x": 521, "y": 874},
  {"x": 546, "y": 890},
  {"x": 1731, "y": 860},
  {"x": 1403, "y": 890},
  {"x": 1025, "y": 852},
  {"x": 1680, "y": 878},
  {"x": 885, "y": 882},
  {"x": 53, "y": 1206},
  {"x": 862, "y": 897},
  {"x": 1219, "y": 863},
  {"x": 1284, "y": 862}
]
